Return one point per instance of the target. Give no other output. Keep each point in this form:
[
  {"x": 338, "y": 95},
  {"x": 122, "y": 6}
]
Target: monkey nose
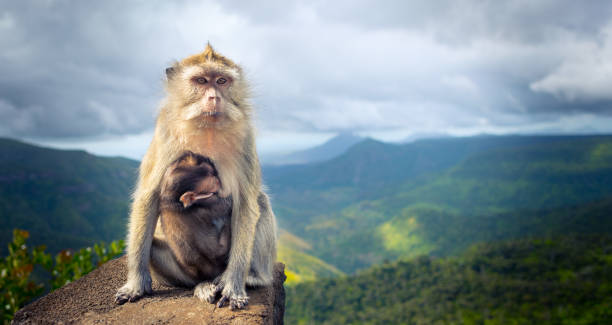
[{"x": 212, "y": 98}]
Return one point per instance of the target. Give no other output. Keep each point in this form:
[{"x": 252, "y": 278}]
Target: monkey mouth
[
  {"x": 203, "y": 196},
  {"x": 210, "y": 113}
]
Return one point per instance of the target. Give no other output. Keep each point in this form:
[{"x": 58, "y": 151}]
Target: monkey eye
[
  {"x": 221, "y": 81},
  {"x": 201, "y": 80}
]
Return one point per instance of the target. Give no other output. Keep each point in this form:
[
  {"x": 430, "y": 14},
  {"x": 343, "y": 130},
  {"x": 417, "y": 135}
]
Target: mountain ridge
[{"x": 331, "y": 148}]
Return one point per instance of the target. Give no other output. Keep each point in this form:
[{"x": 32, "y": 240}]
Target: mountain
[
  {"x": 65, "y": 198},
  {"x": 382, "y": 201},
  {"x": 71, "y": 199},
  {"x": 561, "y": 280},
  {"x": 375, "y": 202},
  {"x": 328, "y": 150},
  {"x": 372, "y": 166}
]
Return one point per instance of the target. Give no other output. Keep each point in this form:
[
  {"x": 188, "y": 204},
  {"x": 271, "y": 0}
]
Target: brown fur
[
  {"x": 196, "y": 235},
  {"x": 228, "y": 139}
]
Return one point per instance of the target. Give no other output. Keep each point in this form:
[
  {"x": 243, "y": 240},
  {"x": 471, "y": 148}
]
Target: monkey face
[
  {"x": 207, "y": 89},
  {"x": 190, "y": 181},
  {"x": 210, "y": 89}
]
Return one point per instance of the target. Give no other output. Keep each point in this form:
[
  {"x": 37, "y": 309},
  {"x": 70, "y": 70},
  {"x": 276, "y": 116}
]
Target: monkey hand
[
  {"x": 235, "y": 295},
  {"x": 134, "y": 289},
  {"x": 207, "y": 291}
]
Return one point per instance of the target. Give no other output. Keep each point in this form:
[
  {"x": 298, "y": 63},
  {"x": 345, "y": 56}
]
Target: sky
[{"x": 89, "y": 74}]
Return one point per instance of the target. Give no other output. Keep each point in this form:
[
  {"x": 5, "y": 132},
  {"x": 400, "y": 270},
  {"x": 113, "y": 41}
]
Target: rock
[{"x": 90, "y": 300}]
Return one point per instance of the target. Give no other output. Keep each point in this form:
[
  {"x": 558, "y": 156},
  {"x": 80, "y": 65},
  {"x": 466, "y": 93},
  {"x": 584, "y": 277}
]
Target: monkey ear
[{"x": 170, "y": 71}]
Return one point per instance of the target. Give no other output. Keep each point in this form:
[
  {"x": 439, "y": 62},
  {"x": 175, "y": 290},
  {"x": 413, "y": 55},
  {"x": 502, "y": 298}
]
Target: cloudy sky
[{"x": 88, "y": 74}]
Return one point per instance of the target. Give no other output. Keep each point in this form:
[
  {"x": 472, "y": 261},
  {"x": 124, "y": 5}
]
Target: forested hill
[
  {"x": 375, "y": 202},
  {"x": 566, "y": 280},
  {"x": 382, "y": 201},
  {"x": 65, "y": 198}
]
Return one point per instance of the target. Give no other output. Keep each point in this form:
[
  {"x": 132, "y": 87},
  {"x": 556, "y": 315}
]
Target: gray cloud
[{"x": 74, "y": 69}]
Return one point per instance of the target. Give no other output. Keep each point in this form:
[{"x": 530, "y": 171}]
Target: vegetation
[
  {"x": 565, "y": 280},
  {"x": 68, "y": 198},
  {"x": 425, "y": 229},
  {"x": 17, "y": 286},
  {"x": 379, "y": 201},
  {"x": 300, "y": 265}
]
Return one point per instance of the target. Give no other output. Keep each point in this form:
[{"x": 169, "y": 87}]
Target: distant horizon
[{"x": 70, "y": 146}]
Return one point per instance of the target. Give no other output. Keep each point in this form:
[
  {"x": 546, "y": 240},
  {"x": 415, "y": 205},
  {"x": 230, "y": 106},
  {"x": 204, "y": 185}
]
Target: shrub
[{"x": 16, "y": 286}]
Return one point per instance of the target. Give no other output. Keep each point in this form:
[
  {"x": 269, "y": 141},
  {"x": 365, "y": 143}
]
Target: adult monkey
[{"x": 206, "y": 111}]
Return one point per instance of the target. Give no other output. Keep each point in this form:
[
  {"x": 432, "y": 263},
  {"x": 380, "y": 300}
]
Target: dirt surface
[{"x": 90, "y": 300}]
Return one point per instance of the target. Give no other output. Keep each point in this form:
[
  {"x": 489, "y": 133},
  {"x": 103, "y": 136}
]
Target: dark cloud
[
  {"x": 462, "y": 21},
  {"x": 74, "y": 68}
]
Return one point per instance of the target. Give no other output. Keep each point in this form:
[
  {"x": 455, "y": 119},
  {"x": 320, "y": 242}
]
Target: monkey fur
[
  {"x": 191, "y": 243},
  {"x": 207, "y": 111}
]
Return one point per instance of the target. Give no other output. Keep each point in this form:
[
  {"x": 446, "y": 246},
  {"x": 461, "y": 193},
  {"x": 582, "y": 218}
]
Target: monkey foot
[
  {"x": 209, "y": 291},
  {"x": 234, "y": 302},
  {"x": 130, "y": 292},
  {"x": 123, "y": 297}
]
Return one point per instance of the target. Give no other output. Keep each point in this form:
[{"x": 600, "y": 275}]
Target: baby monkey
[{"x": 192, "y": 245}]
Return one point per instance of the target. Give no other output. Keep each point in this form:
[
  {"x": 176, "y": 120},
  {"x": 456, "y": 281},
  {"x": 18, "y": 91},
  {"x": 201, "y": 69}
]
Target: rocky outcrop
[{"x": 90, "y": 300}]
